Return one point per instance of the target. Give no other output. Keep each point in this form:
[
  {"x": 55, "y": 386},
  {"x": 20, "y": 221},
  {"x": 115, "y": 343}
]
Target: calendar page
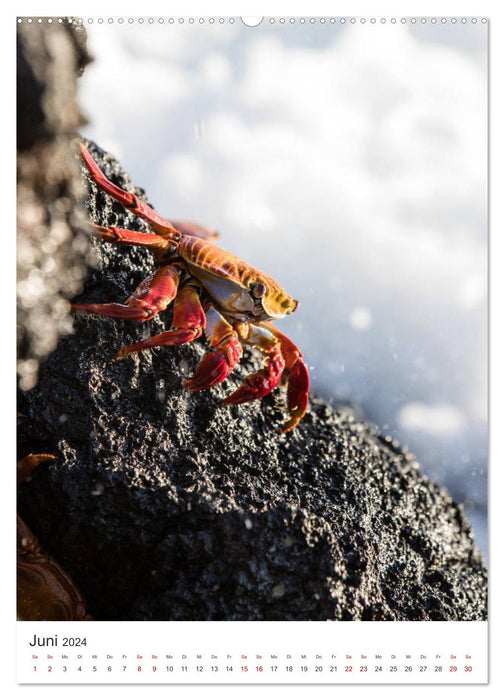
[{"x": 252, "y": 349}]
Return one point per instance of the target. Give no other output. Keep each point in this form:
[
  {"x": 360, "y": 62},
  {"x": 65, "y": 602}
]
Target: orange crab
[{"x": 212, "y": 292}]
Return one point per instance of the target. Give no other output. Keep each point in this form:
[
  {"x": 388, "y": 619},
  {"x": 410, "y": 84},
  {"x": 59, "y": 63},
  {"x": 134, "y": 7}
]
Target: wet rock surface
[{"x": 167, "y": 505}]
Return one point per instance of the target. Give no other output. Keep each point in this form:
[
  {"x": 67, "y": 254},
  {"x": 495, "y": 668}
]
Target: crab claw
[
  {"x": 297, "y": 394},
  {"x": 257, "y": 385},
  {"x": 216, "y": 365},
  {"x": 212, "y": 369}
]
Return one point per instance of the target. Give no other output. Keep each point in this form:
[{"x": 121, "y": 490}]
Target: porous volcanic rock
[{"x": 166, "y": 505}]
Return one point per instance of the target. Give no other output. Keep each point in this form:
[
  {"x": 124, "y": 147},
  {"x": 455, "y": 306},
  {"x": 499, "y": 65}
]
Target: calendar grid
[{"x": 252, "y": 652}]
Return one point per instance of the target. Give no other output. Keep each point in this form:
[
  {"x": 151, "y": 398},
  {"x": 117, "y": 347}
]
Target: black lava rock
[{"x": 167, "y": 505}]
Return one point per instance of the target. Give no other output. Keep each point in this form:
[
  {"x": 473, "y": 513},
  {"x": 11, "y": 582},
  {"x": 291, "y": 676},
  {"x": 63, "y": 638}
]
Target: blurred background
[{"x": 348, "y": 161}]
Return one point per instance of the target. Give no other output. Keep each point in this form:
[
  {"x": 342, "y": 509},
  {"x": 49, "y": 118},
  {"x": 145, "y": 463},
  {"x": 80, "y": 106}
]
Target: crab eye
[{"x": 259, "y": 290}]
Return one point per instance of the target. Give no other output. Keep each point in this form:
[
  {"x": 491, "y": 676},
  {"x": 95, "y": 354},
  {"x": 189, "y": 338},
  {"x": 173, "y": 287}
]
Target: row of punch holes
[{"x": 251, "y": 21}]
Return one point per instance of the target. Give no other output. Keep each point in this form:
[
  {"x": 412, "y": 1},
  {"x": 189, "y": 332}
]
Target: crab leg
[
  {"x": 257, "y": 385},
  {"x": 123, "y": 236},
  {"x": 159, "y": 224},
  {"x": 189, "y": 228},
  {"x": 187, "y": 325},
  {"x": 298, "y": 379},
  {"x": 30, "y": 462},
  {"x": 151, "y": 296},
  {"x": 44, "y": 590},
  {"x": 216, "y": 365}
]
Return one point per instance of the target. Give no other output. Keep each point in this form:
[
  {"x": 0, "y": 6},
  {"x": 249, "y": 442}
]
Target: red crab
[{"x": 212, "y": 292}]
